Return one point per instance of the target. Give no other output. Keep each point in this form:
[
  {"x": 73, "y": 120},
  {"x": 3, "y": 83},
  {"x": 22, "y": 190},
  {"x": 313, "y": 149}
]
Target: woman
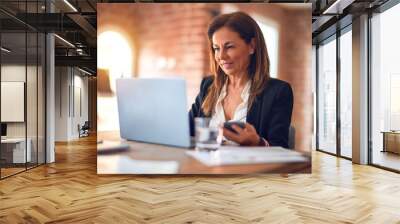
[{"x": 241, "y": 88}]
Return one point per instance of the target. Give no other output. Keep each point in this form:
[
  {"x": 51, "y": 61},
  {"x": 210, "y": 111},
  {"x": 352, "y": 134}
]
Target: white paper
[
  {"x": 235, "y": 155},
  {"x": 120, "y": 164}
]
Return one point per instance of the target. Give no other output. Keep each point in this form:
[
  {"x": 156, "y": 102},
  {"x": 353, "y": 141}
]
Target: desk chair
[
  {"x": 292, "y": 135},
  {"x": 84, "y": 130}
]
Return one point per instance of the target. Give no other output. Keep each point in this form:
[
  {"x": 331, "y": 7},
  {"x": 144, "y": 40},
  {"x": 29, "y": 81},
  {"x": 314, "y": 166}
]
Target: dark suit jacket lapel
[
  {"x": 261, "y": 108},
  {"x": 254, "y": 113}
]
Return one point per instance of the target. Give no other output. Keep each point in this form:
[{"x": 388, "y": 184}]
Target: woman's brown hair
[{"x": 258, "y": 69}]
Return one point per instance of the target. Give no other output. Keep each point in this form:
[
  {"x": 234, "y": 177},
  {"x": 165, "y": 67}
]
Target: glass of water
[{"x": 208, "y": 137}]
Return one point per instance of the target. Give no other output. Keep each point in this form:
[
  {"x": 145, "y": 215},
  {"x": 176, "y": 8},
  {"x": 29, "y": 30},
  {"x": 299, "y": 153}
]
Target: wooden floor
[
  {"x": 10, "y": 171},
  {"x": 70, "y": 191}
]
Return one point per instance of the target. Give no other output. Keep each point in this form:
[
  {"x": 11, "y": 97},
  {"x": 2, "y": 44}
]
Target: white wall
[
  {"x": 71, "y": 87},
  {"x": 81, "y": 102},
  {"x": 62, "y": 81}
]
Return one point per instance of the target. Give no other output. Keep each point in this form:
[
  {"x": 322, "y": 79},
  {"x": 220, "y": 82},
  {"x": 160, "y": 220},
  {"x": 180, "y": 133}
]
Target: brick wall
[
  {"x": 173, "y": 41},
  {"x": 295, "y": 54},
  {"x": 167, "y": 40}
]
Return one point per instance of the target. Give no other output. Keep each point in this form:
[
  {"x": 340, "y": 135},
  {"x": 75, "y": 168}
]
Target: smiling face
[{"x": 231, "y": 52}]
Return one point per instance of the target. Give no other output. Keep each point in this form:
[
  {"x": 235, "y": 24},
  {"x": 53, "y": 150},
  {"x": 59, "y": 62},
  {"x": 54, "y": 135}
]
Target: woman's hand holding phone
[{"x": 241, "y": 133}]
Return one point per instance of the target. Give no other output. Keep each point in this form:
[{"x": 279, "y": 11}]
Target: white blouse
[{"x": 218, "y": 117}]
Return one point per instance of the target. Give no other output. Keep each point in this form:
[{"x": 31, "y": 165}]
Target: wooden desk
[
  {"x": 15, "y": 148},
  {"x": 189, "y": 165},
  {"x": 391, "y": 141}
]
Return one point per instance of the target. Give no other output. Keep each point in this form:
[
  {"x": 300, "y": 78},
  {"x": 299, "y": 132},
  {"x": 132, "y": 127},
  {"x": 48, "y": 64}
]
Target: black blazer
[{"x": 270, "y": 113}]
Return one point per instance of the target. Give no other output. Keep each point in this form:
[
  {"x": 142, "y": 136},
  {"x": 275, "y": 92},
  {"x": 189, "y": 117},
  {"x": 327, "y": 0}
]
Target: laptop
[{"x": 154, "y": 110}]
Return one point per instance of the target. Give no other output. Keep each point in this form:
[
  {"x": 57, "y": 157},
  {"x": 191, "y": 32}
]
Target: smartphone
[{"x": 228, "y": 125}]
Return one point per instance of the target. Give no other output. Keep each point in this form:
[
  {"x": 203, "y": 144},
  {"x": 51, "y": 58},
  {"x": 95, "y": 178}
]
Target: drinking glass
[{"x": 208, "y": 137}]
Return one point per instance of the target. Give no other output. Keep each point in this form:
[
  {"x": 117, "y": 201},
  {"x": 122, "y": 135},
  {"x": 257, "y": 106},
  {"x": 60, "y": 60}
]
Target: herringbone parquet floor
[{"x": 70, "y": 191}]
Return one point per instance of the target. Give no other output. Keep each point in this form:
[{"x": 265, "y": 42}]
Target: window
[
  {"x": 115, "y": 56},
  {"x": 385, "y": 85},
  {"x": 271, "y": 37},
  {"x": 346, "y": 94},
  {"x": 327, "y": 96},
  {"x": 335, "y": 137}
]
